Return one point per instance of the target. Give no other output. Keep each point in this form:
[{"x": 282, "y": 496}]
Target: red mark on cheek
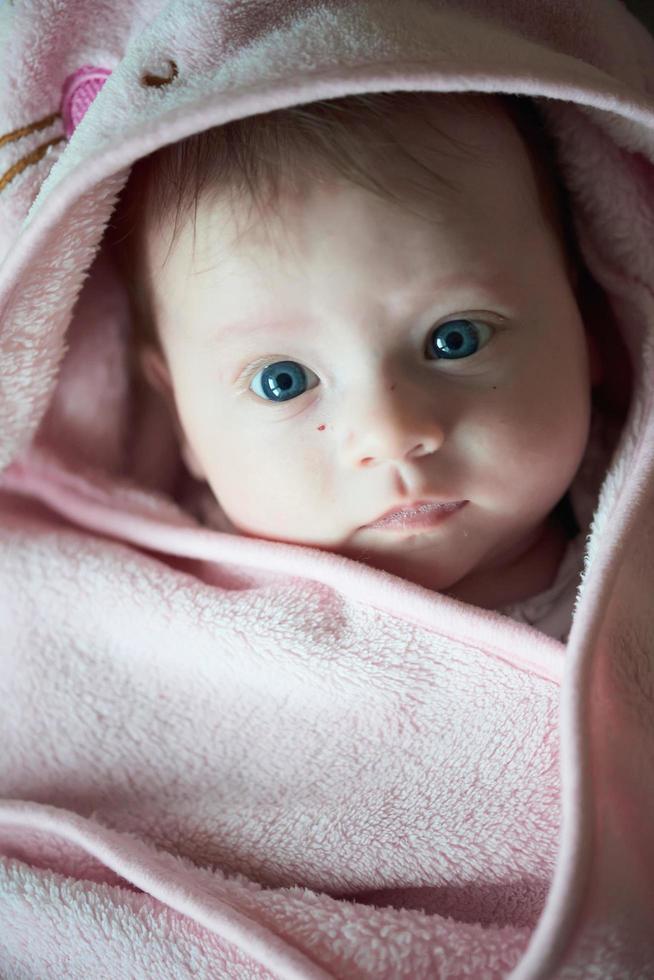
[{"x": 320, "y": 428}]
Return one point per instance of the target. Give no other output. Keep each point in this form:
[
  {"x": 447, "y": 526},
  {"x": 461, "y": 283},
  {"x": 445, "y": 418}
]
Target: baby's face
[{"x": 363, "y": 302}]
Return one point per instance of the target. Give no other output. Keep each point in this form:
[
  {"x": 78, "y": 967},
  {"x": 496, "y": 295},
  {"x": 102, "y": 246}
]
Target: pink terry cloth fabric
[{"x": 230, "y": 757}]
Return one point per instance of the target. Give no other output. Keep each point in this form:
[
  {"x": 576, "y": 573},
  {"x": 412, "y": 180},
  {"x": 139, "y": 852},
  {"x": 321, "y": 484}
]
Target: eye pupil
[{"x": 454, "y": 339}]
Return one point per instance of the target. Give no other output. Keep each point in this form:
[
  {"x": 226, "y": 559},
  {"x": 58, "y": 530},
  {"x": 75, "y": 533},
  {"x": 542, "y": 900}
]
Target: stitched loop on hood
[
  {"x": 156, "y": 81},
  {"x": 79, "y": 91}
]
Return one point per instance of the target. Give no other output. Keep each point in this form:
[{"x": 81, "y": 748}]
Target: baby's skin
[{"x": 434, "y": 350}]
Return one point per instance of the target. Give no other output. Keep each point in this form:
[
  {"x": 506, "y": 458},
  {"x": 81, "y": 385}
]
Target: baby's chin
[
  {"x": 438, "y": 560},
  {"x": 431, "y": 571},
  {"x": 504, "y": 574},
  {"x": 400, "y": 555},
  {"x": 529, "y": 571},
  {"x": 435, "y": 576}
]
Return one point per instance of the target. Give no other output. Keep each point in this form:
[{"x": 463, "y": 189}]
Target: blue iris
[
  {"x": 455, "y": 339},
  {"x": 284, "y": 380}
]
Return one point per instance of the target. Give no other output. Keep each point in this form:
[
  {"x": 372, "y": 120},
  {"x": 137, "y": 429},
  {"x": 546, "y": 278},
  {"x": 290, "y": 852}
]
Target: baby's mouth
[{"x": 422, "y": 517}]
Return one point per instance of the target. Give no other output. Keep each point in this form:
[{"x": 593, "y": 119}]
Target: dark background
[{"x": 643, "y": 10}]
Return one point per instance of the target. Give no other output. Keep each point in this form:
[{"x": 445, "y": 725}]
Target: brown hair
[{"x": 251, "y": 159}]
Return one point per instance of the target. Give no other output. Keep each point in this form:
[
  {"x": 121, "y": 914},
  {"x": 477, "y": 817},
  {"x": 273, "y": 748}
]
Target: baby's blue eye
[
  {"x": 456, "y": 339},
  {"x": 282, "y": 380},
  {"x": 453, "y": 340}
]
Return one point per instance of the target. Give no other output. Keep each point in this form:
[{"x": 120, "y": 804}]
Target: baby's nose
[
  {"x": 396, "y": 435},
  {"x": 388, "y": 453}
]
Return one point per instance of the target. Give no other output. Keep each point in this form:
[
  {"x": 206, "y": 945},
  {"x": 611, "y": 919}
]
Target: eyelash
[{"x": 245, "y": 379}]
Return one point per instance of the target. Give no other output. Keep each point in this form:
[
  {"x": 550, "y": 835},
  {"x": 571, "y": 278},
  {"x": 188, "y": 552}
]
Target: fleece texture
[{"x": 230, "y": 757}]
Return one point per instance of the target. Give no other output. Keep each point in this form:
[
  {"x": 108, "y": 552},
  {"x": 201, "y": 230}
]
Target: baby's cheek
[
  {"x": 541, "y": 442},
  {"x": 260, "y": 485},
  {"x": 516, "y": 435}
]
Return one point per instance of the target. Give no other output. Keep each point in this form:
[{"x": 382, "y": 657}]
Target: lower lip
[{"x": 419, "y": 519}]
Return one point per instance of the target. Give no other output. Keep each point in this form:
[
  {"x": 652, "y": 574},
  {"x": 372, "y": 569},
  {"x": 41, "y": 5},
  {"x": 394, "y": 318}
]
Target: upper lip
[{"x": 413, "y": 505}]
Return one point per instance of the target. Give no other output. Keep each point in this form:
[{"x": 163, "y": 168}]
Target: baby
[{"x": 373, "y": 305}]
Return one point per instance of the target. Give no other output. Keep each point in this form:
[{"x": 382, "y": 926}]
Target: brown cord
[
  {"x": 31, "y": 158},
  {"x": 26, "y": 130}
]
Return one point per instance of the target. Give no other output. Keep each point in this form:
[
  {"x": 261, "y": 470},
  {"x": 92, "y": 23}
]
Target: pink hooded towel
[{"x": 227, "y": 757}]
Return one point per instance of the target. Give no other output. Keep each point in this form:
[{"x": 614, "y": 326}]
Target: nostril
[
  {"x": 78, "y": 92},
  {"x": 156, "y": 81}
]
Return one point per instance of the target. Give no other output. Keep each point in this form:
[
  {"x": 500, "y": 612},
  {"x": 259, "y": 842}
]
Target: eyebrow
[{"x": 252, "y": 324}]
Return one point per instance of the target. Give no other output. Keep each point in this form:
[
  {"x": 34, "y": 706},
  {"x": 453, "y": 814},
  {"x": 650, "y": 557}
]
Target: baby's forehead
[
  {"x": 461, "y": 156},
  {"x": 448, "y": 175}
]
